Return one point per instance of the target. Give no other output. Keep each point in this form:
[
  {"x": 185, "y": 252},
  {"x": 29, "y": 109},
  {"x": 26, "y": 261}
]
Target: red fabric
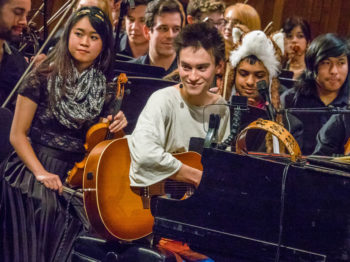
[{"x": 181, "y": 249}]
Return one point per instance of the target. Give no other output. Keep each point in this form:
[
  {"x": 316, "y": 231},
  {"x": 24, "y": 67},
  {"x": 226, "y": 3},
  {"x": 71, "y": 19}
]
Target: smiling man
[
  {"x": 163, "y": 22},
  {"x": 13, "y": 18},
  {"x": 175, "y": 114}
]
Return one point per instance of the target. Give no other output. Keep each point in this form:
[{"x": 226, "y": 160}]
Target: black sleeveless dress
[{"x": 37, "y": 224}]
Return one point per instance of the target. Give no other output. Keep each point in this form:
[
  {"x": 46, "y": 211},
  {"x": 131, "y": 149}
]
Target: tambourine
[{"x": 275, "y": 129}]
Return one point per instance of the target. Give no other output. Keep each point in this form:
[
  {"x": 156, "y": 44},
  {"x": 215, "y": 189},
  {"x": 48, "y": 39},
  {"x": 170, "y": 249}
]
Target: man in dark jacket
[
  {"x": 164, "y": 21},
  {"x": 13, "y": 19},
  {"x": 323, "y": 84}
]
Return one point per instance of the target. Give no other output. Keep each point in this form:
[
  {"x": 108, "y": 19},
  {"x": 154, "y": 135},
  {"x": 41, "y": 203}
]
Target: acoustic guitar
[
  {"x": 114, "y": 209},
  {"x": 96, "y": 134}
]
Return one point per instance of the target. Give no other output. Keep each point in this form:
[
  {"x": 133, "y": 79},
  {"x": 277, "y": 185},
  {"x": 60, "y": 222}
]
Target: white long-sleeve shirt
[{"x": 165, "y": 126}]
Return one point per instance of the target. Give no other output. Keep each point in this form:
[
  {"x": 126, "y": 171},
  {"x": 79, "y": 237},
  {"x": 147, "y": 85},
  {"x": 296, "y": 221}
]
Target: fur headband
[{"x": 258, "y": 44}]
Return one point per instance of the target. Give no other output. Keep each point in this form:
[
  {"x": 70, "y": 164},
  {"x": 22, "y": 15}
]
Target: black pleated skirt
[{"x": 35, "y": 224}]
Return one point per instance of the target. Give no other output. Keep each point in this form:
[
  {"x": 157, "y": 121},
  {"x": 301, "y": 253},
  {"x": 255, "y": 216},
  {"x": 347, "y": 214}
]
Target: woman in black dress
[{"x": 56, "y": 105}]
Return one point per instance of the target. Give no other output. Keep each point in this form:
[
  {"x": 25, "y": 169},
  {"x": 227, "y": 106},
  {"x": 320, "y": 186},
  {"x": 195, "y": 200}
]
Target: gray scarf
[{"x": 83, "y": 99}]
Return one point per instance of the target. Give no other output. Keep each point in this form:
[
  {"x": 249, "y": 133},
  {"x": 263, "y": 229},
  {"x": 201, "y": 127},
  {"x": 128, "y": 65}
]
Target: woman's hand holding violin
[
  {"x": 50, "y": 180},
  {"x": 118, "y": 123}
]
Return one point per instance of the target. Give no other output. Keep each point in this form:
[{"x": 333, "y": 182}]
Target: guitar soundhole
[{"x": 177, "y": 190}]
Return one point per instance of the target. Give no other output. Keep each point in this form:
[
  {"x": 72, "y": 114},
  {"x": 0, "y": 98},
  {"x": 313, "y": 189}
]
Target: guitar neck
[
  {"x": 117, "y": 106},
  {"x": 167, "y": 187}
]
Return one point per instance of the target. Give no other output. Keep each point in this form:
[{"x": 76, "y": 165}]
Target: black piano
[{"x": 261, "y": 208}]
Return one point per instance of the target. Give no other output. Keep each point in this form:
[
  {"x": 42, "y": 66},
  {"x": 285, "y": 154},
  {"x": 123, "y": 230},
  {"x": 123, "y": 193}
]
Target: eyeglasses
[
  {"x": 218, "y": 24},
  {"x": 233, "y": 22}
]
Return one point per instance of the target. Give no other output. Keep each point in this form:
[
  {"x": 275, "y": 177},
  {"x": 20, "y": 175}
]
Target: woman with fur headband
[{"x": 256, "y": 59}]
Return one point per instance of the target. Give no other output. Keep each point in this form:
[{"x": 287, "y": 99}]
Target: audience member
[
  {"x": 297, "y": 39},
  {"x": 243, "y": 15},
  {"x": 211, "y": 11},
  {"x": 324, "y": 83},
  {"x": 133, "y": 42},
  {"x": 164, "y": 20}
]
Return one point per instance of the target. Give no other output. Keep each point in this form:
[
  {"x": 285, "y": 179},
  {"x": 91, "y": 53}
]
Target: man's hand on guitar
[
  {"x": 189, "y": 175},
  {"x": 119, "y": 122}
]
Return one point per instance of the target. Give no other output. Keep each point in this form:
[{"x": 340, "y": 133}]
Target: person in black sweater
[
  {"x": 323, "y": 84},
  {"x": 333, "y": 136}
]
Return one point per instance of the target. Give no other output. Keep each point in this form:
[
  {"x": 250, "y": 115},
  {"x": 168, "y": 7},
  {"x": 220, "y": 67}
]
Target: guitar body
[
  {"x": 95, "y": 135},
  {"x": 114, "y": 209}
]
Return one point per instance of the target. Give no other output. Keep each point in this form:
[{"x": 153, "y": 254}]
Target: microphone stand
[
  {"x": 264, "y": 92},
  {"x": 123, "y": 11},
  {"x": 211, "y": 138},
  {"x": 238, "y": 105},
  {"x": 316, "y": 110}
]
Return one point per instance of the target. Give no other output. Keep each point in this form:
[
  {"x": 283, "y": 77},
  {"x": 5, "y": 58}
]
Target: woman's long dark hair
[
  {"x": 60, "y": 60},
  {"x": 291, "y": 22},
  {"x": 100, "y": 22},
  {"x": 321, "y": 48}
]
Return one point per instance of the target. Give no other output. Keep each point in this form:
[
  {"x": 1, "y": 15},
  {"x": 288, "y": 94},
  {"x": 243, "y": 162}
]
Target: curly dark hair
[
  {"x": 158, "y": 7},
  {"x": 199, "y": 35},
  {"x": 196, "y": 8}
]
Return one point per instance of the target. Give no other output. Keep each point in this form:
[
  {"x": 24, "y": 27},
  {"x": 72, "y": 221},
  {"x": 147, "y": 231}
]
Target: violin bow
[{"x": 14, "y": 90}]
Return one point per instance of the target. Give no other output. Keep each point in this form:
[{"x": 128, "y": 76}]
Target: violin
[{"x": 96, "y": 134}]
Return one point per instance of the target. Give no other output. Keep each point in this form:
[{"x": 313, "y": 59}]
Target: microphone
[
  {"x": 264, "y": 92},
  {"x": 211, "y": 138}
]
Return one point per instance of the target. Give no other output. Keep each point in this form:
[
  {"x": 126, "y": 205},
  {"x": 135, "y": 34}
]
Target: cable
[
  {"x": 65, "y": 227},
  {"x": 238, "y": 104},
  {"x": 236, "y": 123},
  {"x": 287, "y": 119},
  {"x": 283, "y": 191}
]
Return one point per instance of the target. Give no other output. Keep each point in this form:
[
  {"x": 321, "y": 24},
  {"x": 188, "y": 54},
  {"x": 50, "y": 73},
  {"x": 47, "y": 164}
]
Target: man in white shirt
[{"x": 175, "y": 114}]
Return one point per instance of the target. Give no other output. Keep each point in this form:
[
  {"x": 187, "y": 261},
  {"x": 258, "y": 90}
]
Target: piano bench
[{"x": 92, "y": 249}]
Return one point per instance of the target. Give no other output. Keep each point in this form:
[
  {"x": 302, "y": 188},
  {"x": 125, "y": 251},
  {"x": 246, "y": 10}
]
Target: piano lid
[{"x": 257, "y": 208}]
